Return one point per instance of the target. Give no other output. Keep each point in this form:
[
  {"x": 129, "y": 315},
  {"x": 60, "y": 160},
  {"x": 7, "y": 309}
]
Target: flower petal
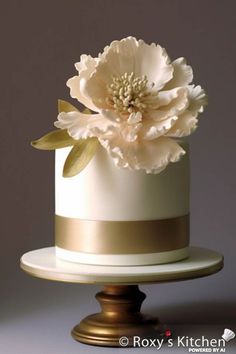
[
  {"x": 153, "y": 61},
  {"x": 185, "y": 125},
  {"x": 97, "y": 91},
  {"x": 82, "y": 126},
  {"x": 152, "y": 130},
  {"x": 152, "y": 156},
  {"x": 197, "y": 99},
  {"x": 171, "y": 103},
  {"x": 134, "y": 118},
  {"x": 110, "y": 114},
  {"x": 166, "y": 97},
  {"x": 132, "y": 55},
  {"x": 130, "y": 132},
  {"x": 86, "y": 64},
  {"x": 182, "y": 75},
  {"x": 74, "y": 84},
  {"x": 127, "y": 56},
  {"x": 85, "y": 67}
]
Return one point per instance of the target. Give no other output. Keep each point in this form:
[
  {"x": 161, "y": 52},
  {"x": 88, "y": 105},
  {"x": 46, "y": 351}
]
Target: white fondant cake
[
  {"x": 104, "y": 192},
  {"x": 122, "y": 162}
]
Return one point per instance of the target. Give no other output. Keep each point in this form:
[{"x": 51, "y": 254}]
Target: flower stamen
[{"x": 127, "y": 93}]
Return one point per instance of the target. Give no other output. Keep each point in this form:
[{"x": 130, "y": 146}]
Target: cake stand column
[{"x": 120, "y": 317}]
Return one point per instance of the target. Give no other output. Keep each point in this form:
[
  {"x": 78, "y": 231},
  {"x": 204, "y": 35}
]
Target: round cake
[
  {"x": 113, "y": 216},
  {"x": 122, "y": 161}
]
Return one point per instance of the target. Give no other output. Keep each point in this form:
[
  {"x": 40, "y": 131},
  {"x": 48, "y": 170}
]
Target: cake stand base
[{"x": 119, "y": 321}]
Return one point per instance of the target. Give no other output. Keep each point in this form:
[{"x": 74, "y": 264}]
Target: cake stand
[{"x": 120, "y": 319}]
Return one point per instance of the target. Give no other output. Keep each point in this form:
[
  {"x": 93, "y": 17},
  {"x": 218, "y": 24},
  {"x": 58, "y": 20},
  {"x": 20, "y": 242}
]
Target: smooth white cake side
[{"x": 102, "y": 191}]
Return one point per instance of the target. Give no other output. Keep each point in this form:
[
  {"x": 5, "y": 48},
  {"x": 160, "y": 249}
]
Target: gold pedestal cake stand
[{"x": 120, "y": 318}]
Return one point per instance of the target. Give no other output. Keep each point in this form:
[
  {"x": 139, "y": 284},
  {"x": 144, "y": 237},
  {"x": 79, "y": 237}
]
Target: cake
[
  {"x": 122, "y": 190},
  {"x": 109, "y": 215}
]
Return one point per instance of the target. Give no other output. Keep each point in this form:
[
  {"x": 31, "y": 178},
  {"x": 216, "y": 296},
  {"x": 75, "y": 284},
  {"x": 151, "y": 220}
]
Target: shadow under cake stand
[{"x": 120, "y": 319}]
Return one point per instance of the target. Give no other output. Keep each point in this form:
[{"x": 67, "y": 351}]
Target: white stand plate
[{"x": 43, "y": 263}]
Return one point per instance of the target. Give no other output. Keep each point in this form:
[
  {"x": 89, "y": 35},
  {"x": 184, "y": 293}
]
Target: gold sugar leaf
[
  {"x": 64, "y": 106},
  {"x": 79, "y": 156},
  {"x": 86, "y": 111},
  {"x": 54, "y": 140}
]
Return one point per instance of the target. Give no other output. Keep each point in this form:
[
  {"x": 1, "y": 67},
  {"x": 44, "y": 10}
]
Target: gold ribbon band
[{"x": 121, "y": 237}]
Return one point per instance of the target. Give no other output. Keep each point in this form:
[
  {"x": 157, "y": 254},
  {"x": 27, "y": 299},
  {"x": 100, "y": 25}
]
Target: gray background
[{"x": 40, "y": 42}]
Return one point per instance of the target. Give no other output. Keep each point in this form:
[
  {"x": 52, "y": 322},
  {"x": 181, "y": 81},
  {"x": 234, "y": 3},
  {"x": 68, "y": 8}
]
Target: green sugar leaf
[
  {"x": 64, "y": 106},
  {"x": 54, "y": 140},
  {"x": 80, "y": 155}
]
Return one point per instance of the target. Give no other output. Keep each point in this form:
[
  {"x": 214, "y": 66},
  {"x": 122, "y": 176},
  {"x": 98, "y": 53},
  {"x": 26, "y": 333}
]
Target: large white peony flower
[{"x": 142, "y": 104}]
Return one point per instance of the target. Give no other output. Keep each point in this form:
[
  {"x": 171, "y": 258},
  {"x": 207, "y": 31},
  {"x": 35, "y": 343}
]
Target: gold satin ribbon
[{"x": 121, "y": 237}]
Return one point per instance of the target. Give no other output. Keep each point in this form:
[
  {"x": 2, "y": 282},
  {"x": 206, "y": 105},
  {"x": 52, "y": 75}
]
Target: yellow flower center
[{"x": 127, "y": 93}]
